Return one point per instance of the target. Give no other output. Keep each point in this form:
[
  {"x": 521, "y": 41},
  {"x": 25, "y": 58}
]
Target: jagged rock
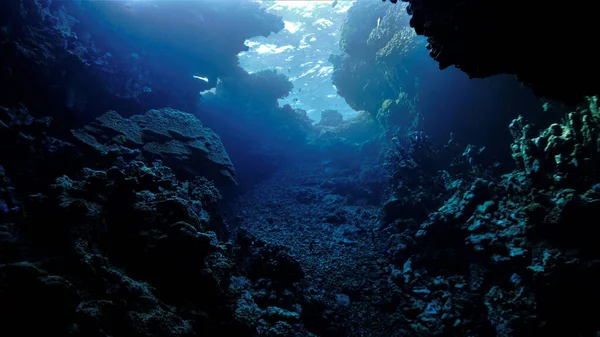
[{"x": 177, "y": 138}]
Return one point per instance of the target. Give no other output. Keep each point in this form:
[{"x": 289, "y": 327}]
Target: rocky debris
[
  {"x": 270, "y": 291},
  {"x": 263, "y": 260},
  {"x": 30, "y": 292},
  {"x": 382, "y": 71},
  {"x": 350, "y": 156},
  {"x": 483, "y": 276},
  {"x": 311, "y": 210},
  {"x": 346, "y": 168},
  {"x": 177, "y": 138},
  {"x": 488, "y": 39}
]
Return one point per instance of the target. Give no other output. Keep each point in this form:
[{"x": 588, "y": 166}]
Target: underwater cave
[{"x": 298, "y": 168}]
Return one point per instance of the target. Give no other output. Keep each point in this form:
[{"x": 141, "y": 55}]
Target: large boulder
[{"x": 177, "y": 138}]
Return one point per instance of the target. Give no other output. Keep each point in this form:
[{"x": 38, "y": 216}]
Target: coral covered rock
[
  {"x": 564, "y": 153},
  {"x": 177, "y": 138}
]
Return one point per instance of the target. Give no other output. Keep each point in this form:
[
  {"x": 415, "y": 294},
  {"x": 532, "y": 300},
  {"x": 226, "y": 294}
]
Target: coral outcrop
[
  {"x": 177, "y": 138},
  {"x": 127, "y": 249}
]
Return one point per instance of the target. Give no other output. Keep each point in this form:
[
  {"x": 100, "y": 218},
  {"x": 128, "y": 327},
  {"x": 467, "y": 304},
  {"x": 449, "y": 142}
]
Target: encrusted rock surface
[
  {"x": 129, "y": 250},
  {"x": 177, "y": 138}
]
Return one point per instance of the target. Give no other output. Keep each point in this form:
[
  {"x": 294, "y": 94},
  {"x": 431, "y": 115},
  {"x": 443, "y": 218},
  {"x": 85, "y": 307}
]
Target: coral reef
[
  {"x": 384, "y": 70},
  {"x": 129, "y": 224},
  {"x": 506, "y": 256},
  {"x": 321, "y": 216}
]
